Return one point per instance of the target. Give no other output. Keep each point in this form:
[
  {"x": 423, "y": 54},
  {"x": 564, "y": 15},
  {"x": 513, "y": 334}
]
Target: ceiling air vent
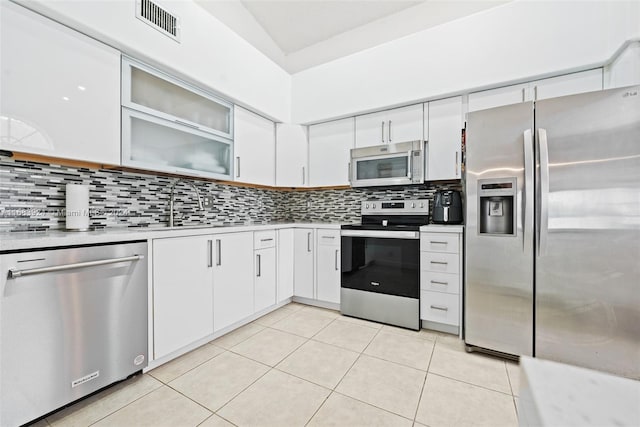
[{"x": 158, "y": 17}]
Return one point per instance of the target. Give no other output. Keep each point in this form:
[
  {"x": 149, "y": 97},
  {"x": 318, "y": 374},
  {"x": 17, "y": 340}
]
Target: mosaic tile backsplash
[{"x": 32, "y": 198}]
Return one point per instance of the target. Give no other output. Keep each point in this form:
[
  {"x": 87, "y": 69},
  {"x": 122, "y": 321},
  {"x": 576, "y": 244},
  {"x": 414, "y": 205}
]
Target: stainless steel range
[{"x": 381, "y": 262}]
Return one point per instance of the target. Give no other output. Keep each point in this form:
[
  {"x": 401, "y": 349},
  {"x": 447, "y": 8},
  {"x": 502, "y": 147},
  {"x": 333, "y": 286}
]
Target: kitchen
[{"x": 275, "y": 206}]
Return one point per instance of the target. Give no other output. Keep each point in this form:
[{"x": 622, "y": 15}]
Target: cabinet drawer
[
  {"x": 440, "y": 307},
  {"x": 329, "y": 237},
  {"x": 440, "y": 282},
  {"x": 264, "y": 239},
  {"x": 439, "y": 262},
  {"x": 439, "y": 242}
]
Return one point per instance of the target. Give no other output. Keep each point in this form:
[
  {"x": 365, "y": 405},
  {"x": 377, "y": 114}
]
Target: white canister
[{"x": 77, "y": 207}]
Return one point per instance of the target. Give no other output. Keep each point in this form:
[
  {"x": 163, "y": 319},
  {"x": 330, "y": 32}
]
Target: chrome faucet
[{"x": 171, "y": 203}]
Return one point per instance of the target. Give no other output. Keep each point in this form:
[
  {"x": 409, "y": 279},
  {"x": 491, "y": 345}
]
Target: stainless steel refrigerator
[{"x": 553, "y": 230}]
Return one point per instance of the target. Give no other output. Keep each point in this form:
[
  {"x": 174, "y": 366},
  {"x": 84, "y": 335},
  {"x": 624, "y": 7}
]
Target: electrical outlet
[{"x": 207, "y": 201}]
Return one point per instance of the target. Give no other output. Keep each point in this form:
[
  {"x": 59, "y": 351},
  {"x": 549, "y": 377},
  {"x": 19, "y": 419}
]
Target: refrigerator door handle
[
  {"x": 544, "y": 192},
  {"x": 527, "y": 209}
]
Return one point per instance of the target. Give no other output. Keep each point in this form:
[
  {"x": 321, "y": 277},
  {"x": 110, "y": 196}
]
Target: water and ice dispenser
[{"x": 496, "y": 206}]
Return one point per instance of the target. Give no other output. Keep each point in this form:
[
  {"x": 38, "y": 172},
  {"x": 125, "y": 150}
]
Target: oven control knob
[
  {"x": 374, "y": 206},
  {"x": 366, "y": 206},
  {"x": 413, "y": 205},
  {"x": 422, "y": 205}
]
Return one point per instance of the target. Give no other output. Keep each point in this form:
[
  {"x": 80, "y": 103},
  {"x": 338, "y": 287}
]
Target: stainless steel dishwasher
[{"x": 74, "y": 320}]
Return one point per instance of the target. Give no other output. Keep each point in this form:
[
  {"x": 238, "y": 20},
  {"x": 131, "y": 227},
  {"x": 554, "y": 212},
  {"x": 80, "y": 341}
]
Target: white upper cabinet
[
  {"x": 254, "y": 148},
  {"x": 60, "y": 90},
  {"x": 443, "y": 146},
  {"x": 625, "y": 69},
  {"x": 329, "y": 152},
  {"x": 170, "y": 126},
  {"x": 291, "y": 155},
  {"x": 154, "y": 92},
  {"x": 568, "y": 84},
  {"x": 506, "y": 95},
  {"x": 390, "y": 126}
]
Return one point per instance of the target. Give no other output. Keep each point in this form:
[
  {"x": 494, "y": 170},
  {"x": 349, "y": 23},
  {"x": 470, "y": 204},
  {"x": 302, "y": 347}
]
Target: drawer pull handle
[
  {"x": 438, "y": 243},
  {"x": 435, "y": 282},
  {"x": 439, "y": 307},
  {"x": 328, "y": 237},
  {"x": 439, "y": 262},
  {"x": 266, "y": 240}
]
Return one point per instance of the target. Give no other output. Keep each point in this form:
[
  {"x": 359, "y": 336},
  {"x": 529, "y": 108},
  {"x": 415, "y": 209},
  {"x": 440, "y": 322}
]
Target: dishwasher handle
[{"x": 14, "y": 272}]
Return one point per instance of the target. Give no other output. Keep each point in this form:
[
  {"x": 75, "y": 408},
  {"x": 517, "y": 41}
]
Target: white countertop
[
  {"x": 441, "y": 228},
  {"x": 44, "y": 239},
  {"x": 555, "y": 394}
]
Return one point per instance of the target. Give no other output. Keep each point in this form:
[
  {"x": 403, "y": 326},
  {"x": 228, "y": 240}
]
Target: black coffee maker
[{"x": 447, "y": 207}]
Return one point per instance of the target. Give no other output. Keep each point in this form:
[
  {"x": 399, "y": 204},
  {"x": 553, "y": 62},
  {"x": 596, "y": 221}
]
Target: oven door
[{"x": 385, "y": 262}]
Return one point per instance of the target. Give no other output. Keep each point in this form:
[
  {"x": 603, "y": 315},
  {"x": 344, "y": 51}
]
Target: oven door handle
[{"x": 381, "y": 234}]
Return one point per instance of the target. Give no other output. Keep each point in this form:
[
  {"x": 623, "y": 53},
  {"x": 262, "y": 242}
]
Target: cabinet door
[
  {"x": 60, "y": 90},
  {"x": 390, "y": 126},
  {"x": 371, "y": 129},
  {"x": 232, "y": 280},
  {"x": 303, "y": 263},
  {"x": 264, "y": 278},
  {"x": 625, "y": 69},
  {"x": 328, "y": 273},
  {"x": 405, "y": 124},
  {"x": 330, "y": 147},
  {"x": 254, "y": 148},
  {"x": 285, "y": 264},
  {"x": 182, "y": 292},
  {"x": 149, "y": 142},
  {"x": 569, "y": 84},
  {"x": 498, "y": 97},
  {"x": 445, "y": 126},
  {"x": 291, "y": 155}
]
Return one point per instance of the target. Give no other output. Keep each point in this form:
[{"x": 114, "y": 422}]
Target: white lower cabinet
[
  {"x": 264, "y": 271},
  {"x": 328, "y": 266},
  {"x": 441, "y": 277},
  {"x": 232, "y": 280},
  {"x": 303, "y": 263},
  {"x": 285, "y": 264},
  {"x": 182, "y": 293}
]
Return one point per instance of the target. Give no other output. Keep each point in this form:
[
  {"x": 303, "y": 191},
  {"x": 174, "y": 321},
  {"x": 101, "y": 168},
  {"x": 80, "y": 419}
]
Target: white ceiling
[{"x": 300, "y": 34}]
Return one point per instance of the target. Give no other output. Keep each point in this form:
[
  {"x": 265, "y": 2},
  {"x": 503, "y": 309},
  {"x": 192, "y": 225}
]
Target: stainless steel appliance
[
  {"x": 381, "y": 262},
  {"x": 74, "y": 320},
  {"x": 447, "y": 207},
  {"x": 389, "y": 164},
  {"x": 553, "y": 225}
]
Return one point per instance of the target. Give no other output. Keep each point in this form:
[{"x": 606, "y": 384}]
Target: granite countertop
[
  {"x": 53, "y": 238},
  {"x": 555, "y": 394}
]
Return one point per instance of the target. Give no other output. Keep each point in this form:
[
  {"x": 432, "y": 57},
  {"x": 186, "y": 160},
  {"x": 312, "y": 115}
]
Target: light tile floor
[{"x": 302, "y": 365}]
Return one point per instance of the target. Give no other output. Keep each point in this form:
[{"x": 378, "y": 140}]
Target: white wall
[
  {"x": 515, "y": 42},
  {"x": 210, "y": 54}
]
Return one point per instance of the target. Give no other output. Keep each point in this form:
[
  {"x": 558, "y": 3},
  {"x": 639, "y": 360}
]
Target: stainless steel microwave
[{"x": 389, "y": 164}]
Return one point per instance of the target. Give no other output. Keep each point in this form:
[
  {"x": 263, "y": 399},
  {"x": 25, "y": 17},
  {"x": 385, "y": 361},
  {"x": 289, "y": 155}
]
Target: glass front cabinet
[{"x": 171, "y": 126}]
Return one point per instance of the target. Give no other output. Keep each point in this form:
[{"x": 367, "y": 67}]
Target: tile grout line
[
  {"x": 372, "y": 405},
  {"x": 135, "y": 400},
  {"x": 216, "y": 415},
  {"x": 472, "y": 384},
  {"x": 224, "y": 350},
  {"x": 424, "y": 383}
]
